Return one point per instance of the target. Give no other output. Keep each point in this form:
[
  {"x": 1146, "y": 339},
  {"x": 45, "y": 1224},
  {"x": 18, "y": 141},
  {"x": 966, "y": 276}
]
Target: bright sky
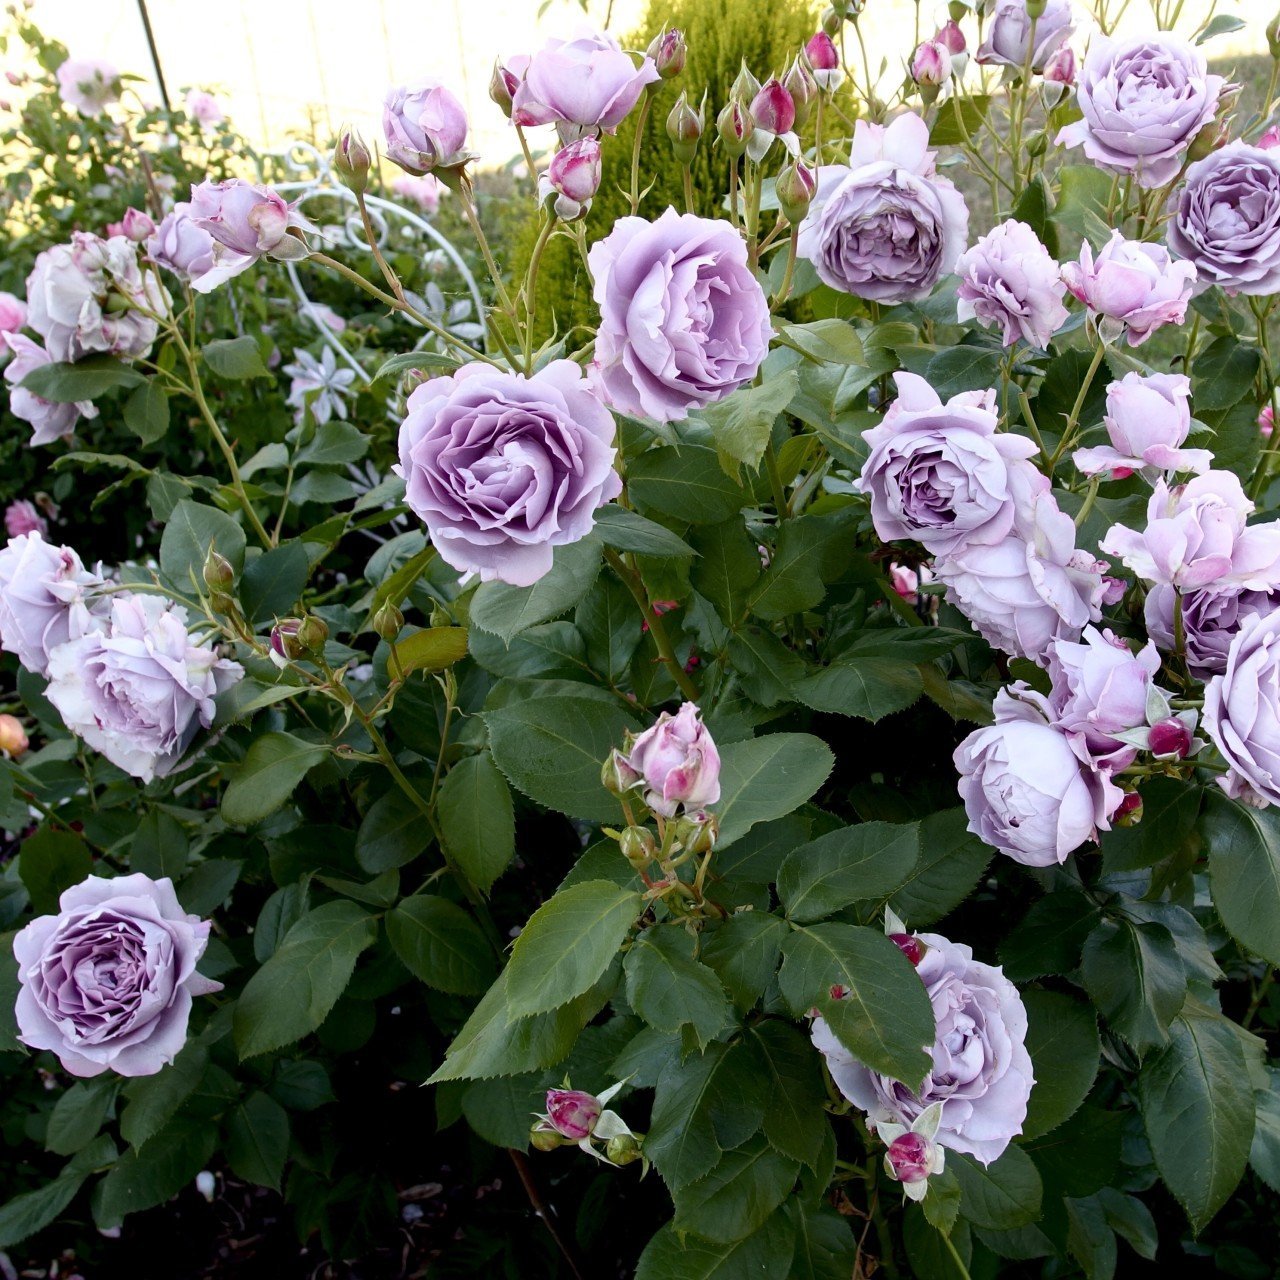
[{"x": 272, "y": 63}]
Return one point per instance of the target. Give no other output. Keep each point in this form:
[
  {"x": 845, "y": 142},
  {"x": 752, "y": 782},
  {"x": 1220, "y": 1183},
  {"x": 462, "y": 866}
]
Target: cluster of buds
[
  {"x": 801, "y": 84},
  {"x": 572, "y": 179},
  {"x": 685, "y": 127},
  {"x": 913, "y": 1156},
  {"x": 576, "y": 1118},
  {"x": 295, "y": 638}
]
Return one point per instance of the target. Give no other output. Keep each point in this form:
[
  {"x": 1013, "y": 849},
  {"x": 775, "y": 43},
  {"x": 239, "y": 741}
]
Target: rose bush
[{"x": 810, "y": 731}]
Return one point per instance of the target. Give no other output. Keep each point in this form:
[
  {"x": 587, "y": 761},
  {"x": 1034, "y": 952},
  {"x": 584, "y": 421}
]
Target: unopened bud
[
  {"x": 684, "y": 128},
  {"x": 745, "y": 87},
  {"x": 831, "y": 22},
  {"x": 573, "y": 177},
  {"x": 824, "y": 62},
  {"x": 802, "y": 87},
  {"x": 910, "y": 946},
  {"x": 206, "y": 1184},
  {"x": 1273, "y": 36},
  {"x": 1207, "y": 141},
  {"x": 616, "y": 775},
  {"x": 668, "y": 53},
  {"x": 697, "y": 832},
  {"x": 624, "y": 1148},
  {"x": 931, "y": 65},
  {"x": 136, "y": 225},
  {"x": 388, "y": 621},
  {"x": 351, "y": 160},
  {"x": 796, "y": 186},
  {"x": 13, "y": 737},
  {"x": 951, "y": 38},
  {"x": 502, "y": 88},
  {"x": 222, "y": 603},
  {"x": 544, "y": 1139},
  {"x": 1129, "y": 814},
  {"x": 285, "y": 645},
  {"x": 1061, "y": 68},
  {"x": 217, "y": 571},
  {"x": 638, "y": 846},
  {"x": 772, "y": 108},
  {"x": 572, "y": 1113},
  {"x": 312, "y": 634},
  {"x": 1169, "y": 739},
  {"x": 735, "y": 127}
]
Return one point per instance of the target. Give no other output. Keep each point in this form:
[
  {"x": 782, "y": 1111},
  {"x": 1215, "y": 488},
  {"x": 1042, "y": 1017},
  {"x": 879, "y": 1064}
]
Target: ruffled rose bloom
[
  {"x": 179, "y": 245},
  {"x": 677, "y": 761},
  {"x": 45, "y": 599},
  {"x": 88, "y": 85},
  {"x": 683, "y": 321},
  {"x": 981, "y": 1075},
  {"x": 138, "y": 688},
  {"x": 1211, "y": 618},
  {"x": 1031, "y": 588},
  {"x": 1144, "y": 101},
  {"x": 1227, "y": 221},
  {"x": 1099, "y": 690},
  {"x": 1197, "y": 536},
  {"x": 425, "y": 127},
  {"x": 13, "y": 313},
  {"x": 582, "y": 85},
  {"x": 248, "y": 220},
  {"x": 80, "y": 298},
  {"x": 1025, "y": 789},
  {"x": 1009, "y": 32},
  {"x": 50, "y": 420},
  {"x": 1131, "y": 287},
  {"x": 1147, "y": 421},
  {"x": 942, "y": 473},
  {"x": 22, "y": 517},
  {"x": 204, "y": 109},
  {"x": 1010, "y": 279},
  {"x": 503, "y": 468},
  {"x": 1242, "y": 712},
  {"x": 888, "y": 227},
  {"x": 107, "y": 983}
]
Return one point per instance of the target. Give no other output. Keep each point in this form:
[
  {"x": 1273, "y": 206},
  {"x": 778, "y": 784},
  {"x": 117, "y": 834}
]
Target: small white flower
[{"x": 323, "y": 377}]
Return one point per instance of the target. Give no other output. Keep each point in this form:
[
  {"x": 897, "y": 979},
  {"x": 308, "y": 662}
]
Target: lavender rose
[
  {"x": 249, "y": 220},
  {"x": 50, "y": 420},
  {"x": 502, "y": 468},
  {"x": 1227, "y": 220},
  {"x": 683, "y": 321},
  {"x": 1211, "y": 618},
  {"x": 887, "y": 228},
  {"x": 1009, "y": 32},
  {"x": 89, "y": 85},
  {"x": 139, "y": 688},
  {"x": 1010, "y": 279},
  {"x": 1147, "y": 421},
  {"x": 45, "y": 599},
  {"x": 1144, "y": 101},
  {"x": 1026, "y": 791},
  {"x": 1131, "y": 287},
  {"x": 981, "y": 1076},
  {"x": 179, "y": 245},
  {"x": 677, "y": 761},
  {"x": 941, "y": 473},
  {"x": 80, "y": 298},
  {"x": 1242, "y": 712},
  {"x": 425, "y": 127},
  {"x": 582, "y": 85},
  {"x": 107, "y": 983}
]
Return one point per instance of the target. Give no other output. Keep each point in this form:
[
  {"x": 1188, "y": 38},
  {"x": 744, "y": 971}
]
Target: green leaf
[
  {"x": 609, "y": 623},
  {"x": 964, "y": 368},
  {"x": 292, "y": 993},
  {"x": 952, "y": 861},
  {"x": 194, "y": 529},
  {"x": 686, "y": 483},
  {"x": 764, "y": 1255},
  {"x": 32, "y": 1211},
  {"x": 86, "y": 379},
  {"x": 1002, "y": 1195},
  {"x": 271, "y": 770},
  {"x": 766, "y": 778},
  {"x": 808, "y": 552},
  {"x": 1083, "y": 195},
  {"x": 825, "y": 1246},
  {"x": 281, "y": 911},
  {"x": 1170, "y": 807},
  {"x": 947, "y": 131},
  {"x": 302, "y": 1086},
  {"x": 736, "y": 1197},
  {"x": 728, "y": 565},
  {"x": 927, "y": 1251},
  {"x": 1222, "y": 24},
  {"x": 742, "y": 422},
  {"x": 52, "y": 861},
  {"x": 478, "y": 819},
  {"x": 1081, "y": 1155},
  {"x": 941, "y": 1204},
  {"x": 1063, "y": 1041},
  {"x": 1223, "y": 374},
  {"x": 567, "y": 944},
  {"x": 79, "y": 1114},
  {"x": 441, "y": 945},
  {"x": 272, "y": 582},
  {"x": 870, "y": 688},
  {"x": 150, "y": 1176},
  {"x": 506, "y": 611},
  {"x": 744, "y": 952},
  {"x": 670, "y": 988},
  {"x": 1048, "y": 939},
  {"x": 155, "y": 1100},
  {"x": 795, "y": 1121},
  {"x": 333, "y": 444},
  {"x": 1244, "y": 872},
  {"x": 879, "y": 1012},
  {"x": 1135, "y": 976},
  {"x": 146, "y": 412},
  {"x": 207, "y": 885},
  {"x": 392, "y": 833},
  {"x": 258, "y": 1140},
  {"x": 552, "y": 748},
  {"x": 850, "y": 865},
  {"x": 625, "y": 531},
  {"x": 1197, "y": 1105},
  {"x": 235, "y": 358},
  {"x": 1264, "y": 1150},
  {"x": 431, "y": 649},
  {"x": 830, "y": 341},
  {"x": 403, "y": 361},
  {"x": 160, "y": 846}
]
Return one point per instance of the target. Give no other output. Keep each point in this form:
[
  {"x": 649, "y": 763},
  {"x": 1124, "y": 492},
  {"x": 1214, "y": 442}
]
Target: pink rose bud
[
  {"x": 425, "y": 127},
  {"x": 502, "y": 87},
  {"x": 351, "y": 160},
  {"x": 910, "y": 946},
  {"x": 668, "y": 53},
  {"x": 572, "y": 1113},
  {"x": 735, "y": 127},
  {"x": 13, "y": 738},
  {"x": 908, "y": 1158},
  {"x": 678, "y": 761},
  {"x": 1271, "y": 139},
  {"x": 931, "y": 65},
  {"x": 22, "y": 517},
  {"x": 136, "y": 225},
  {"x": 575, "y": 170},
  {"x": 285, "y": 645},
  {"x": 772, "y": 108},
  {"x": 822, "y": 53},
  {"x": 1169, "y": 739},
  {"x": 1267, "y": 421},
  {"x": 1129, "y": 811},
  {"x": 905, "y": 581},
  {"x": 796, "y": 187},
  {"x": 1061, "y": 68},
  {"x": 951, "y": 38}
]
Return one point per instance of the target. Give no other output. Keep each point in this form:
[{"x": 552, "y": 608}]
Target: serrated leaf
[
  {"x": 686, "y": 483},
  {"x": 626, "y": 531},
  {"x": 952, "y": 861},
  {"x": 235, "y": 358},
  {"x": 795, "y": 1122},
  {"x": 391, "y": 834},
  {"x": 441, "y": 945},
  {"x": 477, "y": 817},
  {"x": 86, "y": 379},
  {"x": 258, "y": 1140},
  {"x": 738, "y": 1195},
  {"x": 1002, "y": 1195},
  {"x": 670, "y": 988},
  {"x": 744, "y": 951},
  {"x": 273, "y": 582},
  {"x": 764, "y": 1255},
  {"x": 32, "y": 1211},
  {"x": 270, "y": 771},
  {"x": 1062, "y": 1039},
  {"x": 870, "y": 688},
  {"x": 79, "y": 1114},
  {"x": 742, "y": 422},
  {"x": 506, "y": 611},
  {"x": 154, "y": 1100},
  {"x": 150, "y": 1176},
  {"x": 766, "y": 778},
  {"x": 1243, "y": 845},
  {"x": 1135, "y": 976},
  {"x": 849, "y": 865},
  {"x": 50, "y": 862},
  {"x": 193, "y": 529},
  {"x": 430, "y": 649}
]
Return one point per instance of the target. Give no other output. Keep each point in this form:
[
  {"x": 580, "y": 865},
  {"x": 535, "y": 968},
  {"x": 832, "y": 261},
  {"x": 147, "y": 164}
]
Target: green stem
[
  {"x": 531, "y": 290},
  {"x": 687, "y": 175},
  {"x": 641, "y": 120},
  {"x": 955, "y": 1256},
  {"x": 632, "y": 580},
  {"x": 784, "y": 289},
  {"x": 1083, "y": 514},
  {"x": 1078, "y": 408}
]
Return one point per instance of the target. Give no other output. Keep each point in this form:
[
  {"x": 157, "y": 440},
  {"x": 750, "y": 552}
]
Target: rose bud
[
  {"x": 824, "y": 59},
  {"x": 735, "y": 127},
  {"x": 1273, "y": 36},
  {"x": 931, "y": 68},
  {"x": 218, "y": 572},
  {"x": 285, "y": 646},
  {"x": 1061, "y": 68},
  {"x": 351, "y": 160},
  {"x": 426, "y": 129},
  {"x": 831, "y": 23},
  {"x": 678, "y": 761},
  {"x": 623, "y": 1149},
  {"x": 312, "y": 634},
  {"x": 796, "y": 186},
  {"x": 616, "y": 775},
  {"x": 544, "y": 1139},
  {"x": 697, "y": 832},
  {"x": 574, "y": 176},
  {"x": 745, "y": 87},
  {"x": 136, "y": 225},
  {"x": 502, "y": 87},
  {"x": 572, "y": 1113},
  {"x": 951, "y": 38},
  {"x": 13, "y": 737},
  {"x": 387, "y": 622},
  {"x": 668, "y": 53},
  {"x": 1266, "y": 425},
  {"x": 1129, "y": 812},
  {"x": 802, "y": 87},
  {"x": 773, "y": 113},
  {"x": 910, "y": 946},
  {"x": 684, "y": 128},
  {"x": 638, "y": 846},
  {"x": 1169, "y": 739},
  {"x": 904, "y": 580},
  {"x": 1269, "y": 140}
]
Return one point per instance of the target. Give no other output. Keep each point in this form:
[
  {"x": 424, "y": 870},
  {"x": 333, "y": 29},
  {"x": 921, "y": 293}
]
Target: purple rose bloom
[
  {"x": 683, "y": 321},
  {"x": 1025, "y": 789},
  {"x": 22, "y": 516},
  {"x": 1196, "y": 536},
  {"x": 581, "y": 85},
  {"x": 1211, "y": 618},
  {"x": 886, "y": 228},
  {"x": 50, "y": 420},
  {"x": 981, "y": 1075},
  {"x": 1144, "y": 101},
  {"x": 249, "y": 220},
  {"x": 139, "y": 688},
  {"x": 1009, "y": 32},
  {"x": 941, "y": 473},
  {"x": 1131, "y": 287},
  {"x": 192, "y": 254},
  {"x": 1227, "y": 220},
  {"x": 1100, "y": 690},
  {"x": 45, "y": 599},
  {"x": 678, "y": 762},
  {"x": 107, "y": 983},
  {"x": 1032, "y": 587},
  {"x": 425, "y": 127},
  {"x": 1242, "y": 712},
  {"x": 1147, "y": 421},
  {"x": 502, "y": 468},
  {"x": 1010, "y": 279}
]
